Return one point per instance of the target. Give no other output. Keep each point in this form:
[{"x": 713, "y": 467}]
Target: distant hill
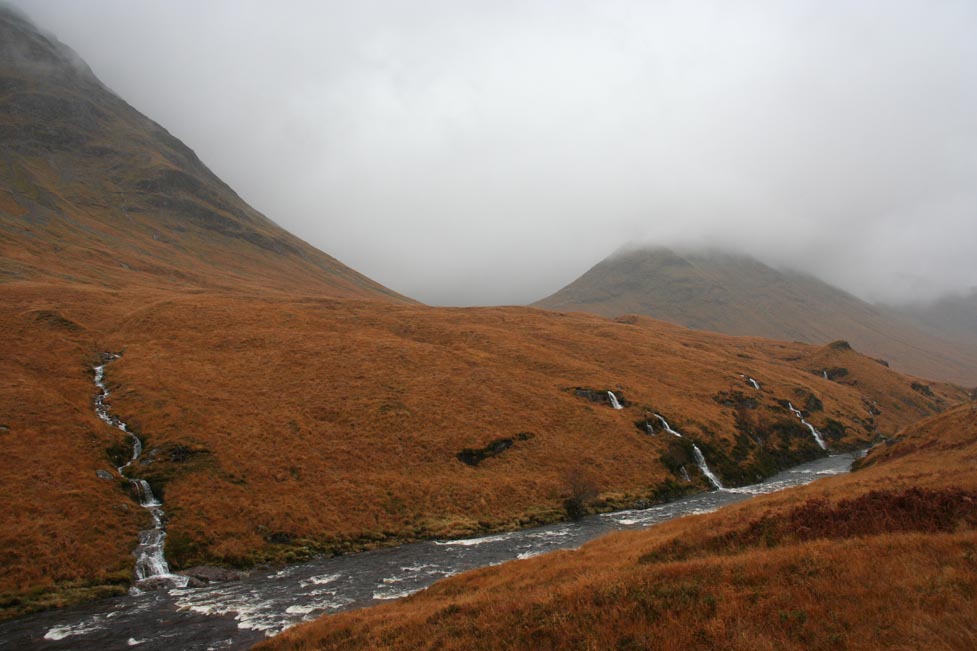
[
  {"x": 739, "y": 295},
  {"x": 953, "y": 317},
  {"x": 93, "y": 191}
]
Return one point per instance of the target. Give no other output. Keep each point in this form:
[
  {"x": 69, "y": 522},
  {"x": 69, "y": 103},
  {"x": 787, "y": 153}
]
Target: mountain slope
[
  {"x": 93, "y": 191},
  {"x": 882, "y": 558},
  {"x": 289, "y": 406},
  {"x": 741, "y": 296},
  {"x": 953, "y": 317}
]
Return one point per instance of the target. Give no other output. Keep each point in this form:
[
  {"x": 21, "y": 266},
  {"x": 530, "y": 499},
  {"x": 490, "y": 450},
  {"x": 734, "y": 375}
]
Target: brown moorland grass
[
  {"x": 280, "y": 423},
  {"x": 885, "y": 557},
  {"x": 278, "y": 426}
]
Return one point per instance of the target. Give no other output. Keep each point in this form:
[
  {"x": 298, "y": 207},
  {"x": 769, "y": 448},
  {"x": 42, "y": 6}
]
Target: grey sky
[{"x": 490, "y": 152}]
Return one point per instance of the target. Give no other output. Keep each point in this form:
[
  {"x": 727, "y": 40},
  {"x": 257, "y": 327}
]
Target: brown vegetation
[
  {"x": 741, "y": 296},
  {"x": 279, "y": 427},
  {"x": 885, "y": 557},
  {"x": 289, "y": 405}
]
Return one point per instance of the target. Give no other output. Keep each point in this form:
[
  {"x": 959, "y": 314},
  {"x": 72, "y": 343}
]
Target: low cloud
[{"x": 477, "y": 153}]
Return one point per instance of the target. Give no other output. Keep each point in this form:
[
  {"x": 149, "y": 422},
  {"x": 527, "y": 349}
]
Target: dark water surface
[{"x": 235, "y": 615}]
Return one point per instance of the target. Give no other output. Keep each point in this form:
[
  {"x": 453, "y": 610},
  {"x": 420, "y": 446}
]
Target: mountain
[
  {"x": 953, "y": 316},
  {"x": 739, "y": 295},
  {"x": 92, "y": 190},
  {"x": 287, "y": 406},
  {"x": 881, "y": 558}
]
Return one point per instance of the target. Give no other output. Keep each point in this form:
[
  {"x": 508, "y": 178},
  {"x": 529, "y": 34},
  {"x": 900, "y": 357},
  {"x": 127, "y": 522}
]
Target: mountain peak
[
  {"x": 95, "y": 191},
  {"x": 728, "y": 292}
]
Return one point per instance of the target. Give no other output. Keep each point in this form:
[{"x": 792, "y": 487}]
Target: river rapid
[{"x": 237, "y": 614}]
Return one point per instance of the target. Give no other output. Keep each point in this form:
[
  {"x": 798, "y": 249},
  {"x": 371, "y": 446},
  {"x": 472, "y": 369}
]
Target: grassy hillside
[
  {"x": 290, "y": 406},
  {"x": 92, "y": 191},
  {"x": 741, "y": 296},
  {"x": 276, "y": 427},
  {"x": 882, "y": 558}
]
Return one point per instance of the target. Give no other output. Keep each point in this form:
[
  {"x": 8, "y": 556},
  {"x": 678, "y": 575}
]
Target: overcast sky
[{"x": 491, "y": 152}]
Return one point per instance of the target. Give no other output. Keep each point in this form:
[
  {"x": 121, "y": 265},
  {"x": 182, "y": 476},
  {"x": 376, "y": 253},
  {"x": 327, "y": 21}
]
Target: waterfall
[
  {"x": 814, "y": 432},
  {"x": 614, "y": 401},
  {"x": 700, "y": 458},
  {"x": 753, "y": 383},
  {"x": 825, "y": 374},
  {"x": 704, "y": 468},
  {"x": 150, "y": 560}
]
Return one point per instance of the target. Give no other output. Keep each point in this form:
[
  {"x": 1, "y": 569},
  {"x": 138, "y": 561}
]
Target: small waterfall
[
  {"x": 814, "y": 432},
  {"x": 704, "y": 468},
  {"x": 666, "y": 426},
  {"x": 614, "y": 401},
  {"x": 753, "y": 383},
  {"x": 150, "y": 560},
  {"x": 824, "y": 373},
  {"x": 700, "y": 458}
]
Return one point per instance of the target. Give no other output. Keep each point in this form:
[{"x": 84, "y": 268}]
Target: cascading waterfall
[
  {"x": 700, "y": 458},
  {"x": 614, "y": 400},
  {"x": 150, "y": 560},
  {"x": 824, "y": 374},
  {"x": 814, "y": 432}
]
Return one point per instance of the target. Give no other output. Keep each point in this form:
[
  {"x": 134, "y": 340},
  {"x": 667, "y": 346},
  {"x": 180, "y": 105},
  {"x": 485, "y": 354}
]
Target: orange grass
[
  {"x": 281, "y": 426},
  {"x": 905, "y": 578}
]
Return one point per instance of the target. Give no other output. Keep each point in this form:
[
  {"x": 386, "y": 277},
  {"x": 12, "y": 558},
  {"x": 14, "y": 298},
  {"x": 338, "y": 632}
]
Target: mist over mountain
[
  {"x": 200, "y": 411},
  {"x": 725, "y": 292},
  {"x": 503, "y": 148},
  {"x": 93, "y": 191}
]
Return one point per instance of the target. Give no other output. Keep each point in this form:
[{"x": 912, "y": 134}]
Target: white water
[
  {"x": 825, "y": 374},
  {"x": 150, "y": 559},
  {"x": 704, "y": 467},
  {"x": 700, "y": 458},
  {"x": 751, "y": 381},
  {"x": 613, "y": 399},
  {"x": 814, "y": 432},
  {"x": 237, "y": 614}
]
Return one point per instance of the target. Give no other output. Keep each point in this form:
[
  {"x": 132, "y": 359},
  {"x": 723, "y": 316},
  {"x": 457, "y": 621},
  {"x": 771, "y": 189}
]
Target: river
[{"x": 237, "y": 614}]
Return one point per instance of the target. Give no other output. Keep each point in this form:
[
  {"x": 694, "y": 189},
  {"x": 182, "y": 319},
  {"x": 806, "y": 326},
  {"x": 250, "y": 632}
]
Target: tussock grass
[{"x": 883, "y": 558}]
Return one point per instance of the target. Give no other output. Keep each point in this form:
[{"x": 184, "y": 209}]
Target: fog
[{"x": 491, "y": 152}]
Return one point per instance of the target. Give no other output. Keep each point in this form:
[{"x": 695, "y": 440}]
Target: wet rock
[
  {"x": 180, "y": 453},
  {"x": 600, "y": 396},
  {"x": 646, "y": 425},
  {"x": 104, "y": 474},
  {"x": 474, "y": 456},
  {"x": 279, "y": 538},
  {"x": 154, "y": 583},
  {"x": 210, "y": 574},
  {"x": 924, "y": 389}
]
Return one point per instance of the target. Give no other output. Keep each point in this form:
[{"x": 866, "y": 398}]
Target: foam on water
[
  {"x": 68, "y": 630},
  {"x": 471, "y": 542}
]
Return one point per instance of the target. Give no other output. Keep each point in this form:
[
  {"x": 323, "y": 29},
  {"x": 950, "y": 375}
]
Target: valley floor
[{"x": 885, "y": 557}]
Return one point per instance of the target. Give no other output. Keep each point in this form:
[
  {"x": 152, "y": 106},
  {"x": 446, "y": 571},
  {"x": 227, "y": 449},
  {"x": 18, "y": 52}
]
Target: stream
[{"x": 237, "y": 614}]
